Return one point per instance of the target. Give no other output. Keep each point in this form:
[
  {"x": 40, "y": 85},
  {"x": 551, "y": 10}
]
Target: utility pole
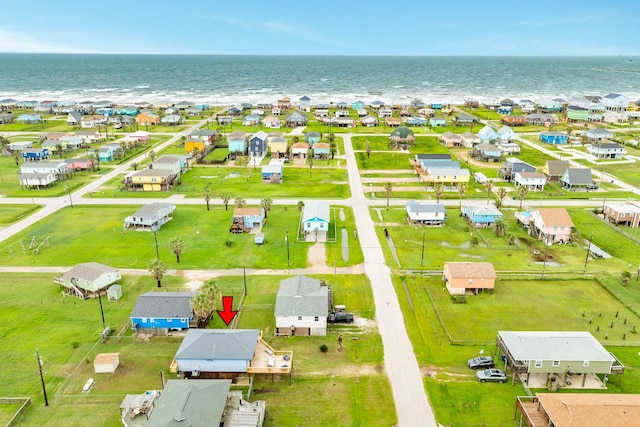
[
  {"x": 104, "y": 325},
  {"x": 286, "y": 238},
  {"x": 586, "y": 260},
  {"x": 422, "y": 256},
  {"x": 244, "y": 274},
  {"x": 155, "y": 237},
  {"x": 44, "y": 389}
]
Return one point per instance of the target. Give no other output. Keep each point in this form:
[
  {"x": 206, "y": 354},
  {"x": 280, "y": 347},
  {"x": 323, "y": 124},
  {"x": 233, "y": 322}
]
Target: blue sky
[{"x": 347, "y": 27}]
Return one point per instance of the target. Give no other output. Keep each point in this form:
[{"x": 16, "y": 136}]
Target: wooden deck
[
  {"x": 266, "y": 360},
  {"x": 531, "y": 415}
]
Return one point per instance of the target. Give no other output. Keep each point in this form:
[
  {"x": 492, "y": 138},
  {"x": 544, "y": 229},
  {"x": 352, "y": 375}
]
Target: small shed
[
  {"x": 106, "y": 363},
  {"x": 259, "y": 239},
  {"x": 114, "y": 293}
]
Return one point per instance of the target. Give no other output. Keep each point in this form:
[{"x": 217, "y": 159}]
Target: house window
[
  {"x": 299, "y": 317},
  {"x": 470, "y": 281},
  {"x": 538, "y": 364},
  {"x": 585, "y": 363},
  {"x": 317, "y": 319},
  {"x": 308, "y": 225},
  {"x": 169, "y": 319},
  {"x": 555, "y": 363}
]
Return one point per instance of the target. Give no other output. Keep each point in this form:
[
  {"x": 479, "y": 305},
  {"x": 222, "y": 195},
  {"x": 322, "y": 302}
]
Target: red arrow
[{"x": 227, "y": 314}]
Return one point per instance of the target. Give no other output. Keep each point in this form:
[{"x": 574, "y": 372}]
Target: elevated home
[
  {"x": 105, "y": 154},
  {"x": 272, "y": 122},
  {"x": 435, "y": 122},
  {"x": 194, "y": 144},
  {"x": 251, "y": 120},
  {"x": 392, "y": 121},
  {"x": 150, "y": 217},
  {"x": 315, "y": 220},
  {"x": 578, "y": 409},
  {"x": 577, "y": 114},
  {"x": 147, "y": 118},
  {"x": 505, "y": 109},
  {"x": 296, "y": 119},
  {"x": 508, "y": 147},
  {"x": 89, "y": 136},
  {"x": 245, "y": 220},
  {"x": 448, "y": 176},
  {"x": 576, "y": 179},
  {"x": 90, "y": 122},
  {"x": 470, "y": 139},
  {"x": 20, "y": 145},
  {"x": 342, "y": 122},
  {"x": 321, "y": 150},
  {"x": 609, "y": 150},
  {"x": 555, "y": 354},
  {"x": 207, "y": 136},
  {"x": 171, "y": 120},
  {"x": 550, "y": 225},
  {"x": 554, "y": 169},
  {"x": 514, "y": 120},
  {"x": 58, "y": 168},
  {"x": 87, "y": 279},
  {"x": 422, "y": 213},
  {"x": 237, "y": 142},
  {"x": 30, "y": 119},
  {"x": 157, "y": 313},
  {"x": 149, "y": 180},
  {"x": 300, "y": 150},
  {"x": 426, "y": 112},
  {"x": 513, "y": 165},
  {"x": 279, "y": 147},
  {"x": 272, "y": 173},
  {"x": 71, "y": 142},
  {"x": 465, "y": 119},
  {"x": 402, "y": 135},
  {"x": 36, "y": 179},
  {"x": 225, "y": 353},
  {"x": 554, "y": 137},
  {"x": 541, "y": 119},
  {"x": 224, "y": 120},
  {"x": 74, "y": 118},
  {"x": 312, "y": 138},
  {"x": 416, "y": 121},
  {"x": 615, "y": 102},
  {"x": 450, "y": 139},
  {"x": 302, "y": 306},
  {"x": 599, "y": 134},
  {"x": 506, "y": 134},
  {"x": 463, "y": 277},
  {"x": 78, "y": 163},
  {"x": 35, "y": 154},
  {"x": 284, "y": 103},
  {"x": 487, "y": 152},
  {"x": 487, "y": 134},
  {"x": 369, "y": 121},
  {"x": 384, "y": 113},
  {"x": 258, "y": 144},
  {"x": 533, "y": 181},
  {"x": 481, "y": 216},
  {"x": 345, "y": 113},
  {"x": 627, "y": 213},
  {"x": 305, "y": 104}
]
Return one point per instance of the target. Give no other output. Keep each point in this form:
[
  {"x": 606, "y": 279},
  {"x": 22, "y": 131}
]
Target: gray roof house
[
  {"x": 215, "y": 351},
  {"x": 87, "y": 279},
  {"x": 598, "y": 134},
  {"x": 159, "y": 312},
  {"x": 302, "y": 306},
  {"x": 150, "y": 217},
  {"x": 576, "y": 178},
  {"x": 421, "y": 213},
  {"x": 555, "y": 352},
  {"x": 609, "y": 150}
]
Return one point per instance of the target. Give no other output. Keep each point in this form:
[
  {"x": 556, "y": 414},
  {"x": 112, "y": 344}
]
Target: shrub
[{"x": 324, "y": 348}]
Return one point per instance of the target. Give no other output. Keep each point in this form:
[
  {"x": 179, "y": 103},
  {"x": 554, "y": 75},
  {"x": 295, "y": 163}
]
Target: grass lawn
[
  {"x": 14, "y": 213},
  {"x": 205, "y": 234},
  {"x": 247, "y": 182}
]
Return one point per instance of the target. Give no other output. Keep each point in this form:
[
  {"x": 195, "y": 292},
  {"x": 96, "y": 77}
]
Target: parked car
[
  {"x": 480, "y": 362},
  {"x": 491, "y": 375},
  {"x": 340, "y": 317}
]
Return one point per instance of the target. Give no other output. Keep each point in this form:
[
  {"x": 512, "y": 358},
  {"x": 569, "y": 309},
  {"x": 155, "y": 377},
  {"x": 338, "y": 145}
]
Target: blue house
[
  {"x": 416, "y": 121},
  {"x": 488, "y": 152},
  {"x": 505, "y": 109},
  {"x": 312, "y": 138},
  {"x": 272, "y": 173},
  {"x": 237, "y": 142},
  {"x": 554, "y": 137},
  {"x": 244, "y": 219},
  {"x": 481, "y": 215},
  {"x": 358, "y": 105},
  {"x": 251, "y": 120},
  {"x": 158, "y": 312},
  {"x": 341, "y": 105},
  {"x": 487, "y": 134},
  {"x": 35, "y": 154},
  {"x": 258, "y": 144},
  {"x": 436, "y": 105},
  {"x": 105, "y": 154},
  {"x": 29, "y": 118},
  {"x": 437, "y": 122}
]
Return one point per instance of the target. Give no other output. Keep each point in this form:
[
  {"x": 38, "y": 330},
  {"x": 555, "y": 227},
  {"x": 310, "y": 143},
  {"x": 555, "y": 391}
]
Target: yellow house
[
  {"x": 192, "y": 143},
  {"x": 451, "y": 176},
  {"x": 149, "y": 180},
  {"x": 278, "y": 146}
]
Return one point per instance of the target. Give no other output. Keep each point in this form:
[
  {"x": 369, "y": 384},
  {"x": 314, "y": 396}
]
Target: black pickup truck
[{"x": 340, "y": 317}]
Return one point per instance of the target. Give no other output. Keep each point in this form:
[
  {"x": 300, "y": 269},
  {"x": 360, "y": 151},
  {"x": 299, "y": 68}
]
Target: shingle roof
[
  {"x": 554, "y": 345},
  {"x": 578, "y": 176},
  {"x": 590, "y": 409},
  {"x": 470, "y": 269},
  {"x": 316, "y": 209},
  {"x": 219, "y": 344},
  {"x": 555, "y": 217},
  {"x": 557, "y": 167},
  {"x": 148, "y": 211},
  {"x": 421, "y": 207},
  {"x": 302, "y": 296},
  {"x": 88, "y": 271},
  {"x": 164, "y": 305}
]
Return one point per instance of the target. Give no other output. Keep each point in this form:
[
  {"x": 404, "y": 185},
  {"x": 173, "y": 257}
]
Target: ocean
[{"x": 227, "y": 80}]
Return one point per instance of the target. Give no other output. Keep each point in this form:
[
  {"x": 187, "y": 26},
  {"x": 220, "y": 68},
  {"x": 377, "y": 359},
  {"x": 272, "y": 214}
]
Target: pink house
[{"x": 552, "y": 225}]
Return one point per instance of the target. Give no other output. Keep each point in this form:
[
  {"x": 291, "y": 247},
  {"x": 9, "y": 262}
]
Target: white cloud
[{"x": 232, "y": 21}]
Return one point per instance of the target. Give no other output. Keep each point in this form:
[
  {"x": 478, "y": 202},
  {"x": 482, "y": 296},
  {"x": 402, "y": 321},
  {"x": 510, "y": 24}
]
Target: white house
[
  {"x": 55, "y": 168},
  {"x": 607, "y": 151},
  {"x": 315, "y": 221},
  {"x": 302, "y": 306},
  {"x": 615, "y": 102},
  {"x": 150, "y": 217},
  {"x": 421, "y": 213},
  {"x": 530, "y": 180},
  {"x": 37, "y": 180},
  {"x": 305, "y": 104},
  {"x": 88, "y": 278}
]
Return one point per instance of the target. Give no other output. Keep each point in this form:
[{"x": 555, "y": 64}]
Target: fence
[{"x": 25, "y": 402}]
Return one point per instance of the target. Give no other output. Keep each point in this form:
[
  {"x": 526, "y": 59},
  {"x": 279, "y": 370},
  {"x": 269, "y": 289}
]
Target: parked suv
[
  {"x": 480, "y": 362},
  {"x": 491, "y": 375}
]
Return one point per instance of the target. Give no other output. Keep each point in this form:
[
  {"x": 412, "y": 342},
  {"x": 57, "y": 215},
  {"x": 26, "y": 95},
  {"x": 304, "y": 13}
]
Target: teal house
[{"x": 237, "y": 142}]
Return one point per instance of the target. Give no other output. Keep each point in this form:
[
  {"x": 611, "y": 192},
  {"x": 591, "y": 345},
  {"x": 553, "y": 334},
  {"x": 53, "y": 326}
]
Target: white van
[{"x": 480, "y": 177}]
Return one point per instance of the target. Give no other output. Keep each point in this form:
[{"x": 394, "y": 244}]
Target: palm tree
[
  {"x": 92, "y": 161},
  {"x": 204, "y": 304},
  {"x": 97, "y": 154},
  {"x": 177, "y": 246},
  {"x": 157, "y": 269},
  {"x": 438, "y": 189},
  {"x": 206, "y": 194},
  {"x": 240, "y": 202},
  {"x": 266, "y": 203},
  {"x": 502, "y": 193},
  {"x": 59, "y": 149},
  {"x": 226, "y": 197},
  {"x": 152, "y": 154},
  {"x": 367, "y": 148},
  {"x": 462, "y": 188},
  {"x": 489, "y": 185},
  {"x": 135, "y": 166},
  {"x": 522, "y": 193},
  {"x": 330, "y": 139},
  {"x": 16, "y": 157},
  {"x": 500, "y": 227},
  {"x": 300, "y": 205},
  {"x": 119, "y": 153},
  {"x": 388, "y": 187},
  {"x": 310, "y": 165}
]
